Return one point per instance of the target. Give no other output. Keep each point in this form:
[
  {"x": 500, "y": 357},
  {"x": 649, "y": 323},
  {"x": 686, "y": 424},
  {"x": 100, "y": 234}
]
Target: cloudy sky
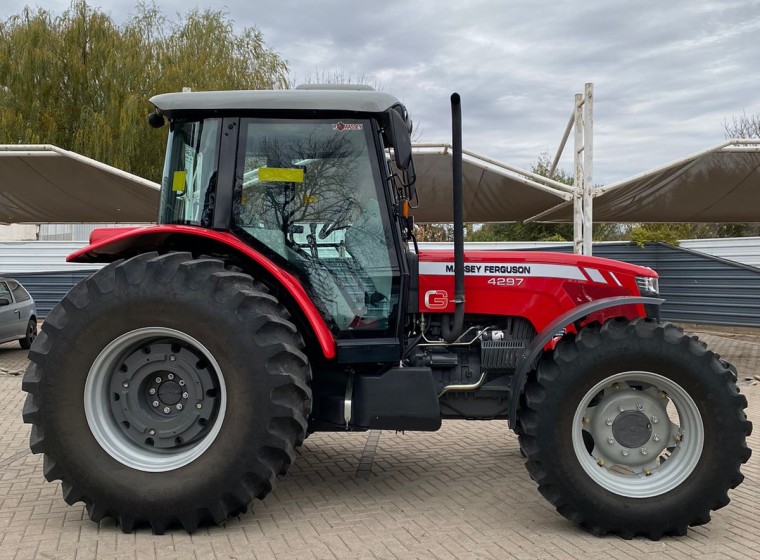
[{"x": 666, "y": 74}]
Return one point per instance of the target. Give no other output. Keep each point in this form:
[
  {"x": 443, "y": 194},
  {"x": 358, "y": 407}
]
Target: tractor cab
[{"x": 305, "y": 178}]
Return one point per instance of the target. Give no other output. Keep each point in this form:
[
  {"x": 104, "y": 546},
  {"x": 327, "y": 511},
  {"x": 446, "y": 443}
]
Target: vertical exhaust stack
[{"x": 452, "y": 330}]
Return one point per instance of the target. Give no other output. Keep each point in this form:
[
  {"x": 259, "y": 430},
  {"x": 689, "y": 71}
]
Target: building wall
[
  {"x": 73, "y": 232},
  {"x": 744, "y": 250},
  {"x": 18, "y": 232}
]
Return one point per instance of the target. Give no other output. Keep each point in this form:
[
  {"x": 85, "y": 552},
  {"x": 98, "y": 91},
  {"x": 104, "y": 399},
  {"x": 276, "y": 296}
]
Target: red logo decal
[
  {"x": 341, "y": 126},
  {"x": 436, "y": 299}
]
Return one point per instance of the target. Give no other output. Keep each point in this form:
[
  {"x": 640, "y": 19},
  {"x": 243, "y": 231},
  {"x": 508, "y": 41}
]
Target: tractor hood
[
  {"x": 534, "y": 285},
  {"x": 571, "y": 266}
]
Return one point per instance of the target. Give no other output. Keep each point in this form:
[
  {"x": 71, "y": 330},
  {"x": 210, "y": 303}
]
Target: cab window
[{"x": 310, "y": 195}]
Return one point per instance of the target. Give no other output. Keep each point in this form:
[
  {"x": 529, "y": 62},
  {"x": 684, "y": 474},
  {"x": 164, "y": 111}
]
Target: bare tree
[{"x": 743, "y": 126}]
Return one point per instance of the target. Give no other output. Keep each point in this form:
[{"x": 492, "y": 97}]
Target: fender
[
  {"x": 528, "y": 357},
  {"x": 108, "y": 246}
]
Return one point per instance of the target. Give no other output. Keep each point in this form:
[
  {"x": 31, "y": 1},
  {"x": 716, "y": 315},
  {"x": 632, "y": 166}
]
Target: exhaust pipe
[{"x": 452, "y": 330}]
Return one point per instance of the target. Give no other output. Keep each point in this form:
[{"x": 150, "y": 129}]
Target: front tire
[
  {"x": 167, "y": 390},
  {"x": 634, "y": 429}
]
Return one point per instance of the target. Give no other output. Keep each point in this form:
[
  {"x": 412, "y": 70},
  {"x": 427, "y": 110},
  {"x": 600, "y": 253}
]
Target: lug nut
[
  {"x": 167, "y": 410},
  {"x": 616, "y": 385},
  {"x": 655, "y": 437},
  {"x": 198, "y": 406},
  {"x": 170, "y": 376},
  {"x": 152, "y": 391},
  {"x": 677, "y": 438},
  {"x": 181, "y": 382},
  {"x": 621, "y": 408},
  {"x": 625, "y": 452},
  {"x": 184, "y": 395},
  {"x": 647, "y": 472},
  {"x": 639, "y": 406},
  {"x": 663, "y": 395},
  {"x": 172, "y": 358},
  {"x": 610, "y": 440},
  {"x": 644, "y": 451},
  {"x": 600, "y": 462},
  {"x": 586, "y": 420},
  {"x": 158, "y": 380},
  {"x": 179, "y": 406},
  {"x": 125, "y": 384},
  {"x": 608, "y": 421},
  {"x": 152, "y": 432},
  {"x": 155, "y": 403},
  {"x": 655, "y": 419}
]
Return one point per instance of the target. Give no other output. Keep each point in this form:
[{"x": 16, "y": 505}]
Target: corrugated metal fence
[
  {"x": 42, "y": 268},
  {"x": 699, "y": 288},
  {"x": 48, "y": 288}
]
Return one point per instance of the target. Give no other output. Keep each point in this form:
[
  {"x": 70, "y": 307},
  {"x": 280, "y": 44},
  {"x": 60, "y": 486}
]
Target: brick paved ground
[{"x": 462, "y": 492}]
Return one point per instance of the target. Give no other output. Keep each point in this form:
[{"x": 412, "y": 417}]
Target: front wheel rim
[
  {"x": 630, "y": 440},
  {"x": 155, "y": 399}
]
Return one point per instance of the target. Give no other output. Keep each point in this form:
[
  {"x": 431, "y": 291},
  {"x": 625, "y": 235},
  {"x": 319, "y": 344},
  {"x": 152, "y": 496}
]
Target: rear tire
[
  {"x": 634, "y": 429},
  {"x": 232, "y": 374}
]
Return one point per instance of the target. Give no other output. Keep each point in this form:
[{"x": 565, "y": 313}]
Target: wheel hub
[
  {"x": 164, "y": 395},
  {"x": 169, "y": 392},
  {"x": 632, "y": 429},
  {"x": 625, "y": 439}
]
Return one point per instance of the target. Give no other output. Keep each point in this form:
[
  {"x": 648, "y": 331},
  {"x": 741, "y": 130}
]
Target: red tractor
[{"x": 280, "y": 295}]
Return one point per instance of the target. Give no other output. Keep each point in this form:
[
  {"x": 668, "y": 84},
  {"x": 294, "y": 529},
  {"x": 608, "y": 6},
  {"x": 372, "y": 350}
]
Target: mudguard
[
  {"x": 528, "y": 357},
  {"x": 107, "y": 245}
]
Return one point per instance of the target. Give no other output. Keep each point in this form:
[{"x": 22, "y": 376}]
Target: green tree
[{"x": 82, "y": 82}]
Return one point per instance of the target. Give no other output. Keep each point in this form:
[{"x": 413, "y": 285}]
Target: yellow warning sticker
[
  {"x": 281, "y": 175},
  {"x": 178, "y": 182}
]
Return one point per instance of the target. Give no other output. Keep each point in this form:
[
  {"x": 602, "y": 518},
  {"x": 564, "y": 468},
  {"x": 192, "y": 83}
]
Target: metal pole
[
  {"x": 578, "y": 181},
  {"x": 561, "y": 148},
  {"x": 588, "y": 168}
]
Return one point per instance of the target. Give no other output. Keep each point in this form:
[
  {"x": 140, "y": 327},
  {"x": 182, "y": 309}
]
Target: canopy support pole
[
  {"x": 583, "y": 187},
  {"x": 588, "y": 168}
]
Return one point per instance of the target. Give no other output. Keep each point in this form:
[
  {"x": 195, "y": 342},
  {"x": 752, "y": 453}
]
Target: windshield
[
  {"x": 190, "y": 172},
  {"x": 309, "y": 194}
]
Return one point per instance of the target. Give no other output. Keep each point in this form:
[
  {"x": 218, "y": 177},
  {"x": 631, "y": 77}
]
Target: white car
[{"x": 18, "y": 313}]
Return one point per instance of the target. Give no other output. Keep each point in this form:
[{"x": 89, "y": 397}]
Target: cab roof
[{"x": 362, "y": 101}]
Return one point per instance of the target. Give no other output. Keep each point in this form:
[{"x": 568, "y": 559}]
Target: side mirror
[
  {"x": 402, "y": 142},
  {"x": 4, "y": 301}
]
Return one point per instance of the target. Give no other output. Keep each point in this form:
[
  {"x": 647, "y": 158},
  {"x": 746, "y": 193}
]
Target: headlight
[{"x": 648, "y": 285}]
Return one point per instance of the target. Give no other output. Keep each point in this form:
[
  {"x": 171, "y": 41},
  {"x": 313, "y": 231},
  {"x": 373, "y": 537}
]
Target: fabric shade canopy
[
  {"x": 43, "y": 184},
  {"x": 721, "y": 184},
  {"x": 492, "y": 191}
]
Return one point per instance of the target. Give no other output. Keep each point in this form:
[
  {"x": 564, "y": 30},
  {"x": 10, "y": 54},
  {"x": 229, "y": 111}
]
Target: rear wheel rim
[
  {"x": 155, "y": 399},
  {"x": 638, "y": 434}
]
